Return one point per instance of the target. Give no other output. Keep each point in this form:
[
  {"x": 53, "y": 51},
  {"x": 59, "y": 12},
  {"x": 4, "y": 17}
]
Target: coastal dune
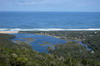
[{"x": 8, "y": 32}]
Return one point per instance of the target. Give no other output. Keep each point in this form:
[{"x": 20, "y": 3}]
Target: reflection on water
[{"x": 39, "y": 43}]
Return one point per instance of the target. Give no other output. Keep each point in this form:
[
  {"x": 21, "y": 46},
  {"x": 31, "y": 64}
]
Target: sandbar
[{"x": 8, "y": 32}]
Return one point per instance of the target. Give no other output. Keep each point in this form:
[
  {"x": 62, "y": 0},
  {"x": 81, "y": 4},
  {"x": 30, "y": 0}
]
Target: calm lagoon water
[
  {"x": 38, "y": 43},
  {"x": 39, "y": 39}
]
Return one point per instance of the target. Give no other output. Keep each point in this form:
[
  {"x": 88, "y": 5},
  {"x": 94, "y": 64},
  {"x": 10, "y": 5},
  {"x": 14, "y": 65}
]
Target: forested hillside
[{"x": 21, "y": 54}]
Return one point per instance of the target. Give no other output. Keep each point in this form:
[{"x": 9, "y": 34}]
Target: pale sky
[{"x": 51, "y": 5}]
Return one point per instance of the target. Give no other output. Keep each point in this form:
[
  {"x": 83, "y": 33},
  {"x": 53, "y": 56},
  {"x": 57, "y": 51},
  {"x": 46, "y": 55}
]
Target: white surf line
[{"x": 50, "y": 29}]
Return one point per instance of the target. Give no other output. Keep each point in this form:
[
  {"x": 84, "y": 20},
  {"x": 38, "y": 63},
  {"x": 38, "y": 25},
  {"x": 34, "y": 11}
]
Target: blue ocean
[{"x": 49, "y": 20}]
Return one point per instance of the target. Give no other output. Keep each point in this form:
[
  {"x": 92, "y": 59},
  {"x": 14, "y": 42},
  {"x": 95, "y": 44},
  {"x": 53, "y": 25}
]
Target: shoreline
[
  {"x": 90, "y": 38},
  {"x": 8, "y": 32},
  {"x": 49, "y": 29}
]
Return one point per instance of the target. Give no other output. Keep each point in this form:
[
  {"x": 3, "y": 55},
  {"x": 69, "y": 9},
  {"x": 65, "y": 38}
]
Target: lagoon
[{"x": 40, "y": 43}]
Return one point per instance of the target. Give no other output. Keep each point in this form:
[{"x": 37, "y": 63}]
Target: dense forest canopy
[{"x": 70, "y": 54}]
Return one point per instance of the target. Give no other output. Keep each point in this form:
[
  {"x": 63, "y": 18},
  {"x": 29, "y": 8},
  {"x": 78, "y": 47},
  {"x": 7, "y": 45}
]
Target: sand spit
[{"x": 8, "y": 32}]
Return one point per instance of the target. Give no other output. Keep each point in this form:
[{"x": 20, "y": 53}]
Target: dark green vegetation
[
  {"x": 75, "y": 50},
  {"x": 71, "y": 54}
]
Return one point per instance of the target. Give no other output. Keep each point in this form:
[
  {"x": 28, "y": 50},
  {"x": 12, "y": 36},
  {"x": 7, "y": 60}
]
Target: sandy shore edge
[{"x": 8, "y": 32}]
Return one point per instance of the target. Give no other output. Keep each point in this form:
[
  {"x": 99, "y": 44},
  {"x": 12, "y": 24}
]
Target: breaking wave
[{"x": 49, "y": 29}]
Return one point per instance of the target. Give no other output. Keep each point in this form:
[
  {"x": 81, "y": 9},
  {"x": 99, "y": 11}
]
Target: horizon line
[{"x": 49, "y": 11}]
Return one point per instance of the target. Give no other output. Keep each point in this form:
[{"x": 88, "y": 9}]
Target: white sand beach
[{"x": 8, "y": 32}]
